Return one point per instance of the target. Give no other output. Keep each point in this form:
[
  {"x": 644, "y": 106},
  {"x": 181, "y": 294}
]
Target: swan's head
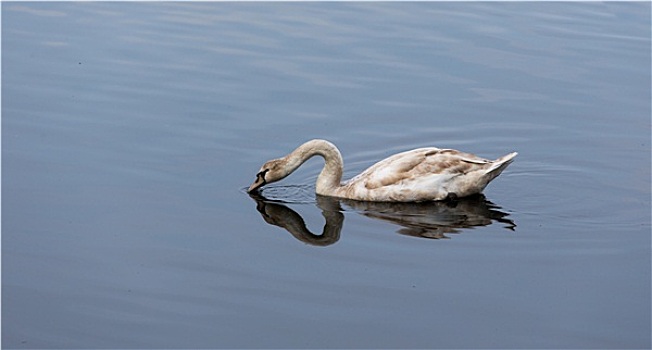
[{"x": 272, "y": 171}]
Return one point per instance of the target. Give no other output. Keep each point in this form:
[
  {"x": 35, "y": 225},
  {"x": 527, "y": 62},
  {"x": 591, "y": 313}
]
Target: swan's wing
[
  {"x": 420, "y": 165},
  {"x": 392, "y": 170},
  {"x": 421, "y": 174}
]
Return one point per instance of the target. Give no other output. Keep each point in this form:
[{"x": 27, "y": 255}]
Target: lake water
[{"x": 130, "y": 131}]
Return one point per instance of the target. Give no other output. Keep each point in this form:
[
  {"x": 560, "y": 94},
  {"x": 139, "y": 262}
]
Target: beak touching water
[{"x": 258, "y": 183}]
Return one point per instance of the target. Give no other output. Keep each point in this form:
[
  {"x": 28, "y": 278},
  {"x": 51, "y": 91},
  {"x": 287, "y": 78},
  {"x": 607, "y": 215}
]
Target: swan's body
[{"x": 422, "y": 174}]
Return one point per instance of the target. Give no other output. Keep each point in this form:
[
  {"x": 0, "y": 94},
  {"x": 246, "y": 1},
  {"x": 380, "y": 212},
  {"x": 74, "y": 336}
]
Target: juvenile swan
[{"x": 423, "y": 174}]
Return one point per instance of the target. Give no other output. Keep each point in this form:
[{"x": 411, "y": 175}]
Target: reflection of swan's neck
[
  {"x": 282, "y": 216},
  {"x": 330, "y": 177}
]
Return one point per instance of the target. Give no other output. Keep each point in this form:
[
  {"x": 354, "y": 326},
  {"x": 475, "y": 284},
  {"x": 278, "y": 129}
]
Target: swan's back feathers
[{"x": 426, "y": 174}]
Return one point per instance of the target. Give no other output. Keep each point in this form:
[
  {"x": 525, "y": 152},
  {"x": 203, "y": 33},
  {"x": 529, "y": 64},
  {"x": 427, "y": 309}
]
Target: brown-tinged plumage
[{"x": 422, "y": 174}]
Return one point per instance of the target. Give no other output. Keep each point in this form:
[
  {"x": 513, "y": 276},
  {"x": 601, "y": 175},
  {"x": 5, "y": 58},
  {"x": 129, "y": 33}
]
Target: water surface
[{"x": 129, "y": 131}]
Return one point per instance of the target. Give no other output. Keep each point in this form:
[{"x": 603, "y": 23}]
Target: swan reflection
[
  {"x": 427, "y": 220},
  {"x": 280, "y": 215}
]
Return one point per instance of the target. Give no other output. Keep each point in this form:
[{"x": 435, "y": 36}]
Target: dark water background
[{"x": 129, "y": 131}]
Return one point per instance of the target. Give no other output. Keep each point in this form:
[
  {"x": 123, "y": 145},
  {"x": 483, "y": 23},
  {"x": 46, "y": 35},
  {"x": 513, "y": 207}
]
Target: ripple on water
[{"x": 291, "y": 194}]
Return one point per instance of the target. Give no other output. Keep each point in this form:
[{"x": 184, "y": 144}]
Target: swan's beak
[{"x": 260, "y": 181}]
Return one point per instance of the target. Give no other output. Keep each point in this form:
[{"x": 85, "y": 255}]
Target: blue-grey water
[{"x": 130, "y": 131}]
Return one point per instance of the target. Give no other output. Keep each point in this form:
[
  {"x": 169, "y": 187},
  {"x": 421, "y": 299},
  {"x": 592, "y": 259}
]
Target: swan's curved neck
[{"x": 331, "y": 176}]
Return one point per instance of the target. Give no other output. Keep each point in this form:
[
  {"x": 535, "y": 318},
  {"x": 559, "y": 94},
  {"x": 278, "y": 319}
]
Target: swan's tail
[{"x": 499, "y": 165}]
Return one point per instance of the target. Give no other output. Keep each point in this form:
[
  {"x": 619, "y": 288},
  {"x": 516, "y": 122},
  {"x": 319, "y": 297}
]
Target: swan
[{"x": 423, "y": 174}]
